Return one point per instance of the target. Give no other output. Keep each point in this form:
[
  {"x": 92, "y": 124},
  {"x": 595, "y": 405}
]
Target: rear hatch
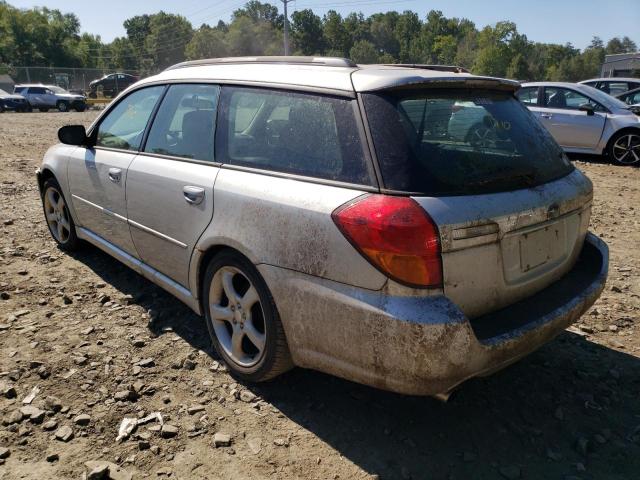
[{"x": 511, "y": 210}]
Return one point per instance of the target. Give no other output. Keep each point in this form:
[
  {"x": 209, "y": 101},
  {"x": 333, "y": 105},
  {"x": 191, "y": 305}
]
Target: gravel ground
[{"x": 97, "y": 343}]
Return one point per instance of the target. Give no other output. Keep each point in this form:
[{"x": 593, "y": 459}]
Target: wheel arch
[
  {"x": 617, "y": 134},
  {"x": 201, "y": 257}
]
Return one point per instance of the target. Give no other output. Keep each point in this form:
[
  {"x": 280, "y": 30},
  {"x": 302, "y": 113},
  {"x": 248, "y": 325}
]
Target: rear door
[
  {"x": 571, "y": 127},
  {"x": 512, "y": 212},
  {"x": 97, "y": 176},
  {"x": 170, "y": 184}
]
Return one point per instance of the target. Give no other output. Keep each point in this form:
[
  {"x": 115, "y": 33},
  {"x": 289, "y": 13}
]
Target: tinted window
[
  {"x": 19, "y": 89},
  {"x": 184, "y": 124},
  {"x": 298, "y": 133},
  {"x": 556, "y": 97},
  {"x": 37, "y": 90},
  {"x": 457, "y": 142},
  {"x": 124, "y": 125},
  {"x": 528, "y": 95}
]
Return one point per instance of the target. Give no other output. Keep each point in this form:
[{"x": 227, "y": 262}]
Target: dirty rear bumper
[{"x": 423, "y": 345}]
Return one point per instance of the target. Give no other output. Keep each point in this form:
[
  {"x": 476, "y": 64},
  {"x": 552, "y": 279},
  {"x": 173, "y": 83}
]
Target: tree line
[{"x": 48, "y": 37}]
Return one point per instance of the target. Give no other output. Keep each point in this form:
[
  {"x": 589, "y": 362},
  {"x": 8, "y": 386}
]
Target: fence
[{"x": 73, "y": 79}]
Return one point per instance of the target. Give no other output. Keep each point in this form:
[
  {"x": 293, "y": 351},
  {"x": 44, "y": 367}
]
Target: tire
[
  {"x": 2, "y": 109},
  {"x": 80, "y": 108},
  {"x": 624, "y": 148},
  {"x": 260, "y": 352},
  {"x": 62, "y": 106},
  {"x": 43, "y": 109},
  {"x": 59, "y": 221},
  {"x": 28, "y": 108}
]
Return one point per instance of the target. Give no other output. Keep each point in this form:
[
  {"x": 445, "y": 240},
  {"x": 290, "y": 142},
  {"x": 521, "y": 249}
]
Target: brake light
[{"x": 396, "y": 235}]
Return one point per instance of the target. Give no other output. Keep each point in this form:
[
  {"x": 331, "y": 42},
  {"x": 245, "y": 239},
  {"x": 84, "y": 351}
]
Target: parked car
[
  {"x": 10, "y": 101},
  {"x": 584, "y": 119},
  {"x": 46, "y": 97},
  {"x": 351, "y": 232},
  {"x": 111, "y": 85},
  {"x": 613, "y": 85}
]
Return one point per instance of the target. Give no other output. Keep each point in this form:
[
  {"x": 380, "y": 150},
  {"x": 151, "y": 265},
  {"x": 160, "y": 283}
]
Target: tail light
[{"x": 396, "y": 235}]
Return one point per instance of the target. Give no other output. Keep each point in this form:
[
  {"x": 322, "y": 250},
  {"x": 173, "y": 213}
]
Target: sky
[{"x": 548, "y": 21}]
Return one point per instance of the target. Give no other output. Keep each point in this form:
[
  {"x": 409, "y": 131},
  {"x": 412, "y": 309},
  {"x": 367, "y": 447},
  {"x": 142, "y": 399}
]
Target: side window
[
  {"x": 124, "y": 126},
  {"x": 37, "y": 90},
  {"x": 20, "y": 90},
  {"x": 616, "y": 88},
  {"x": 305, "y": 134},
  {"x": 528, "y": 95},
  {"x": 567, "y": 99},
  {"x": 185, "y": 123}
]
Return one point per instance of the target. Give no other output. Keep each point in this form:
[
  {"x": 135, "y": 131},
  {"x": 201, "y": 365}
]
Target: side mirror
[
  {"x": 587, "y": 107},
  {"x": 73, "y": 135}
]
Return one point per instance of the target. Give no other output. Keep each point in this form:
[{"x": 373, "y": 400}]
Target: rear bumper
[{"x": 423, "y": 345}]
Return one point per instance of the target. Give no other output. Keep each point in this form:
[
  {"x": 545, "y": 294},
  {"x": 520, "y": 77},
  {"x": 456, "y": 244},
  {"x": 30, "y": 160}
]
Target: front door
[
  {"x": 571, "y": 127},
  {"x": 170, "y": 184},
  {"x": 98, "y": 176}
]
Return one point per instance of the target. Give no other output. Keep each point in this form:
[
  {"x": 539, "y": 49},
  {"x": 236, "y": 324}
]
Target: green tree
[
  {"x": 363, "y": 51},
  {"x": 335, "y": 34},
  {"x": 306, "y": 32},
  {"x": 167, "y": 39},
  {"x": 207, "y": 42}
]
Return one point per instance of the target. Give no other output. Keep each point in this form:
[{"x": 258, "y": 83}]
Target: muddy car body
[{"x": 332, "y": 222}]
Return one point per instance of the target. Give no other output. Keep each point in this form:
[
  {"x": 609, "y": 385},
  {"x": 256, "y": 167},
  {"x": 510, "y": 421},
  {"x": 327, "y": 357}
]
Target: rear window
[{"x": 460, "y": 142}]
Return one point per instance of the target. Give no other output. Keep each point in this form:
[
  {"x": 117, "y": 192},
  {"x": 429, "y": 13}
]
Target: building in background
[{"x": 621, "y": 65}]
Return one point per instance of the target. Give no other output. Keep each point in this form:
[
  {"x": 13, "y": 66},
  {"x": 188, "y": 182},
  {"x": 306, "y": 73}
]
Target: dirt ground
[{"x": 100, "y": 343}]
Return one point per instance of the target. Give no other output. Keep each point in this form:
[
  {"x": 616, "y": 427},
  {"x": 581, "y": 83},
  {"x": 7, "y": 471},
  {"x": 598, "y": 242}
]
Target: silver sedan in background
[{"x": 583, "y": 119}]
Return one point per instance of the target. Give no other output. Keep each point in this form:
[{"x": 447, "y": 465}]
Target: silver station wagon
[{"x": 399, "y": 226}]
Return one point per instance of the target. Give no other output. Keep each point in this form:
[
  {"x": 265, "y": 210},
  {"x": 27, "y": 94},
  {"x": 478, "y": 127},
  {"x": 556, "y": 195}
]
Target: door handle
[
  {"x": 546, "y": 115},
  {"x": 115, "y": 174},
  {"x": 193, "y": 195}
]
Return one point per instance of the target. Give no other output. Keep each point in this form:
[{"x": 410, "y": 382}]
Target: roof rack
[
  {"x": 439, "y": 68},
  {"x": 293, "y": 60}
]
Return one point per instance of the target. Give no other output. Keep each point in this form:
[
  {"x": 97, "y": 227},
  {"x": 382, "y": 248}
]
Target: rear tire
[
  {"x": 56, "y": 213},
  {"x": 242, "y": 319},
  {"x": 624, "y": 148}
]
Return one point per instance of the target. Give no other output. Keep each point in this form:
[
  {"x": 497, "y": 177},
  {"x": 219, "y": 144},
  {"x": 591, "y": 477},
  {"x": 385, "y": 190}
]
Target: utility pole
[{"x": 286, "y": 27}]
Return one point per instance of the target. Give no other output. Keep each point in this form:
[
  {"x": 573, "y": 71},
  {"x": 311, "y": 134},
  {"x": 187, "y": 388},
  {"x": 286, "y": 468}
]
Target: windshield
[
  {"x": 460, "y": 142},
  {"x": 56, "y": 89},
  {"x": 604, "y": 98}
]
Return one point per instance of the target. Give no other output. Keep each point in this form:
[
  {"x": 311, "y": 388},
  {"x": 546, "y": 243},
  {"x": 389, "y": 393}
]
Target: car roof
[
  {"x": 612, "y": 79},
  {"x": 34, "y": 85},
  {"x": 325, "y": 73}
]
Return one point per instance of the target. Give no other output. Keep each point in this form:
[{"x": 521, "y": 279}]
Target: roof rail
[
  {"x": 439, "y": 68},
  {"x": 293, "y": 60}
]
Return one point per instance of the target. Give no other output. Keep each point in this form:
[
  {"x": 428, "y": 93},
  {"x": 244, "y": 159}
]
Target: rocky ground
[{"x": 86, "y": 343}]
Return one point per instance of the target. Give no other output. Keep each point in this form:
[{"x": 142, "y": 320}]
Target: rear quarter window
[
  {"x": 300, "y": 133},
  {"x": 460, "y": 142}
]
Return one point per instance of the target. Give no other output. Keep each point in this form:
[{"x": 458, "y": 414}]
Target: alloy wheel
[
  {"x": 57, "y": 215},
  {"x": 237, "y": 316},
  {"x": 626, "y": 149}
]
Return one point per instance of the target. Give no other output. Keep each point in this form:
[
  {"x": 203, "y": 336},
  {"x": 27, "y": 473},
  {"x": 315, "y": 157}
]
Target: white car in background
[{"x": 583, "y": 119}]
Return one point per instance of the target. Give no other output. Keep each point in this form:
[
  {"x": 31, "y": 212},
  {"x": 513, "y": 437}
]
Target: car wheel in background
[
  {"x": 59, "y": 221},
  {"x": 624, "y": 148},
  {"x": 63, "y": 106},
  {"x": 43, "y": 109},
  {"x": 242, "y": 319},
  {"x": 80, "y": 108},
  {"x": 2, "y": 108}
]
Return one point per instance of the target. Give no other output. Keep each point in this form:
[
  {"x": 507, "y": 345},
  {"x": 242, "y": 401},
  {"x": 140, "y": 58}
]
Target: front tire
[
  {"x": 59, "y": 220},
  {"x": 624, "y": 148},
  {"x": 242, "y": 319},
  {"x": 63, "y": 106}
]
